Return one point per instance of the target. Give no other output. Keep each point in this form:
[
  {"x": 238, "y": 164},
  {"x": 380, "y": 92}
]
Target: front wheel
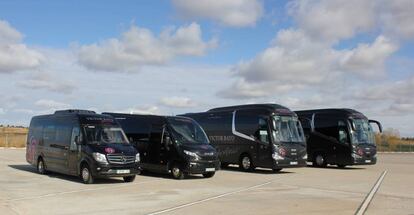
[
  {"x": 86, "y": 175},
  {"x": 41, "y": 167},
  {"x": 209, "y": 174},
  {"x": 246, "y": 163},
  {"x": 177, "y": 172},
  {"x": 320, "y": 160},
  {"x": 129, "y": 178}
]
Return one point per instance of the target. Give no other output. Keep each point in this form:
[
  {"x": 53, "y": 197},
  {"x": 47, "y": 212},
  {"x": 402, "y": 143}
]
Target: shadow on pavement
[
  {"x": 256, "y": 171},
  {"x": 32, "y": 169}
]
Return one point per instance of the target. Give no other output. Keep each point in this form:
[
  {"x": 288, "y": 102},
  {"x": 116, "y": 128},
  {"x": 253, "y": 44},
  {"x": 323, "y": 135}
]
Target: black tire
[
  {"x": 41, "y": 167},
  {"x": 177, "y": 172},
  {"x": 130, "y": 178},
  {"x": 246, "y": 163},
  {"x": 277, "y": 170},
  {"x": 209, "y": 174},
  {"x": 319, "y": 160},
  {"x": 224, "y": 165},
  {"x": 342, "y": 166},
  {"x": 86, "y": 174}
]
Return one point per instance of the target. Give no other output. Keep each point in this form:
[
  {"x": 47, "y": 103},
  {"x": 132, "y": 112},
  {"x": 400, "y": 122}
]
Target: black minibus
[
  {"x": 339, "y": 137},
  {"x": 257, "y": 135},
  {"x": 170, "y": 144},
  {"x": 81, "y": 143}
]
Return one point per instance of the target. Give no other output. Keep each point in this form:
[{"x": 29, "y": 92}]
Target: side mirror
[
  {"x": 352, "y": 124},
  {"x": 378, "y": 124},
  {"x": 168, "y": 141},
  {"x": 343, "y": 136},
  {"x": 77, "y": 141}
]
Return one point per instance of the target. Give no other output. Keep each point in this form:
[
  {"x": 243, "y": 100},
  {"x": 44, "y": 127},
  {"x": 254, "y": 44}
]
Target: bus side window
[
  {"x": 342, "y": 133},
  {"x": 75, "y": 134},
  {"x": 49, "y": 134},
  {"x": 262, "y": 134}
]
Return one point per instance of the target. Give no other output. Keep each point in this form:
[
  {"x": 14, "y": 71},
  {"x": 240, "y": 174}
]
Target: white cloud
[
  {"x": 15, "y": 55},
  {"x": 178, "y": 102},
  {"x": 141, "y": 110},
  {"x": 397, "y": 18},
  {"x": 333, "y": 20},
  {"x": 51, "y": 104},
  {"x": 368, "y": 60},
  {"x": 139, "y": 46},
  {"x": 295, "y": 61},
  {"x": 234, "y": 13},
  {"x": 47, "y": 81},
  {"x": 8, "y": 34}
]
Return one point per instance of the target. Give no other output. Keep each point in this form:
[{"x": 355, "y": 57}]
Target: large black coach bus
[
  {"x": 339, "y": 137},
  {"x": 81, "y": 143},
  {"x": 170, "y": 144},
  {"x": 258, "y": 135}
]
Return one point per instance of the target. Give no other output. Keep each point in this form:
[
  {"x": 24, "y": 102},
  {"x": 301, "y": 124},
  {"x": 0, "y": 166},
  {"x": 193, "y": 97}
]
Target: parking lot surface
[{"x": 292, "y": 191}]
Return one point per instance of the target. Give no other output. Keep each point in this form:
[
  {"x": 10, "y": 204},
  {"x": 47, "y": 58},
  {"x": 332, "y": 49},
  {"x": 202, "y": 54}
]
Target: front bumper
[
  {"x": 110, "y": 170},
  {"x": 364, "y": 161},
  {"x": 289, "y": 163},
  {"x": 201, "y": 167}
]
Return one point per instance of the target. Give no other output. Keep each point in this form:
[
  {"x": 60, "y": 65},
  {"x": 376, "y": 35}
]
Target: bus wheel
[
  {"x": 41, "y": 167},
  {"x": 177, "y": 172},
  {"x": 341, "y": 166},
  {"x": 209, "y": 174},
  {"x": 86, "y": 175},
  {"x": 319, "y": 160},
  {"x": 246, "y": 163},
  {"x": 129, "y": 178}
]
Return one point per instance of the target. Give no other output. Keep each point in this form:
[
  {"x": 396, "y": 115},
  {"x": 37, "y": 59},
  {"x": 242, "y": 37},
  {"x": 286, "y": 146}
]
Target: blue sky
[{"x": 171, "y": 57}]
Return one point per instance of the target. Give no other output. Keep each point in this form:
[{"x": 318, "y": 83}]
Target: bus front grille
[{"x": 120, "y": 159}]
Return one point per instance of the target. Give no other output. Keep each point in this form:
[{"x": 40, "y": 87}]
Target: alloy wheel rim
[
  {"x": 319, "y": 160},
  {"x": 246, "y": 163},
  {"x": 85, "y": 174},
  {"x": 176, "y": 171},
  {"x": 40, "y": 167}
]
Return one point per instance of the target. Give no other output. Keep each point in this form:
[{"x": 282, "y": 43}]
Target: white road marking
[
  {"x": 210, "y": 198},
  {"x": 78, "y": 191},
  {"x": 363, "y": 207}
]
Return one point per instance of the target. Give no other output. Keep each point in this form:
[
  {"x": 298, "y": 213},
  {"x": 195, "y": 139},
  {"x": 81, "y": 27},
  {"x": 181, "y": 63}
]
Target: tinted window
[
  {"x": 156, "y": 133},
  {"x": 63, "y": 134},
  {"x": 246, "y": 123},
  {"x": 326, "y": 125},
  {"x": 49, "y": 134}
]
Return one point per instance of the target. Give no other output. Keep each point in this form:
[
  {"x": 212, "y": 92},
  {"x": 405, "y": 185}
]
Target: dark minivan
[
  {"x": 339, "y": 137},
  {"x": 256, "y": 135},
  {"x": 169, "y": 144},
  {"x": 81, "y": 143}
]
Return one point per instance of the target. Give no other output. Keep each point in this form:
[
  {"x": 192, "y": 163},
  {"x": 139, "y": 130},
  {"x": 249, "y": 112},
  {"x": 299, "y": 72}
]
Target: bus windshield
[
  {"x": 363, "y": 133},
  {"x": 187, "y": 131},
  {"x": 96, "y": 134},
  {"x": 287, "y": 129}
]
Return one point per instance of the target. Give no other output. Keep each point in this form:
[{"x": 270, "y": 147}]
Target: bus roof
[{"x": 343, "y": 111}]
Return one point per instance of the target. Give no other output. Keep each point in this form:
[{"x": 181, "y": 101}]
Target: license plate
[
  {"x": 367, "y": 161},
  {"x": 210, "y": 169},
  {"x": 293, "y": 163},
  {"x": 122, "y": 171}
]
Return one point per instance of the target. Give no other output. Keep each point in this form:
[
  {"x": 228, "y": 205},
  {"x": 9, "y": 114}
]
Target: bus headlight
[
  {"x": 191, "y": 154},
  {"x": 305, "y": 157},
  {"x": 276, "y": 156},
  {"x": 101, "y": 158},
  {"x": 137, "y": 158}
]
